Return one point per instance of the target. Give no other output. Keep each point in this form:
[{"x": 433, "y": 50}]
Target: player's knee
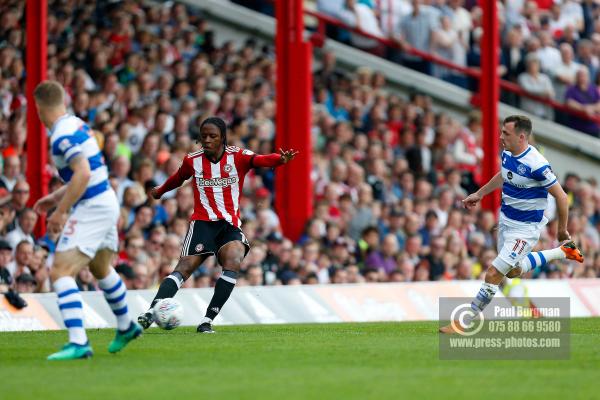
[
  {"x": 232, "y": 260},
  {"x": 232, "y": 255},
  {"x": 493, "y": 275},
  {"x": 100, "y": 265},
  {"x": 514, "y": 273},
  {"x": 98, "y": 269},
  {"x": 67, "y": 264}
]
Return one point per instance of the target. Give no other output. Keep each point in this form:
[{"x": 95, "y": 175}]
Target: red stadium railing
[{"x": 319, "y": 37}]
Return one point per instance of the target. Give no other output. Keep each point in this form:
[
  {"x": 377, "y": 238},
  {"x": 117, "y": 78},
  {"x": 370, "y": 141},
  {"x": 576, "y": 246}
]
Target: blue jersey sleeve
[
  {"x": 69, "y": 146},
  {"x": 545, "y": 176}
]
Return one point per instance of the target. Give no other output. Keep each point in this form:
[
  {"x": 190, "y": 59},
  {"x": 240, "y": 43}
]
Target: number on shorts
[
  {"x": 70, "y": 229},
  {"x": 521, "y": 243}
]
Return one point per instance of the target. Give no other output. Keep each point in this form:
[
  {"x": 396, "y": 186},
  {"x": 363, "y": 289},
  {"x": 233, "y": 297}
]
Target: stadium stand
[
  {"x": 451, "y": 29},
  {"x": 389, "y": 171}
]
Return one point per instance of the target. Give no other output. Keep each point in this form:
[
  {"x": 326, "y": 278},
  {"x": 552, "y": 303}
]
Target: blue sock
[
  {"x": 537, "y": 259},
  {"x": 71, "y": 308},
  {"x": 115, "y": 294}
]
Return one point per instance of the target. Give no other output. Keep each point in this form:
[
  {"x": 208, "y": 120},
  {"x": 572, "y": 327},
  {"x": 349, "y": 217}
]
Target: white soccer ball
[{"x": 168, "y": 313}]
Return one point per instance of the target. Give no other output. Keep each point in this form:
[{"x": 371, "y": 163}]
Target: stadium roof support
[
  {"x": 37, "y": 141},
  {"x": 489, "y": 87},
  {"x": 293, "y": 186}
]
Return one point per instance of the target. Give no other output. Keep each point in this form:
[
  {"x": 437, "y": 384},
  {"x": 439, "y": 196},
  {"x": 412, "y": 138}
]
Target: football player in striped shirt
[
  {"x": 218, "y": 172},
  {"x": 526, "y": 179},
  {"x": 86, "y": 211}
]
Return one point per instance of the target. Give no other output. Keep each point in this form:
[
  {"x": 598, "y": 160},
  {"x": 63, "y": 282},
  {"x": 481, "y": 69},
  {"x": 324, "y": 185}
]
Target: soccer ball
[{"x": 168, "y": 313}]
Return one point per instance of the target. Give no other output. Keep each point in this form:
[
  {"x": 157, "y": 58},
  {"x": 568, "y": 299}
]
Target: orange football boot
[{"x": 572, "y": 251}]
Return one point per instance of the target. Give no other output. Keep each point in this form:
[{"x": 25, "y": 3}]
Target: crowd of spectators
[
  {"x": 547, "y": 46},
  {"x": 389, "y": 172}
]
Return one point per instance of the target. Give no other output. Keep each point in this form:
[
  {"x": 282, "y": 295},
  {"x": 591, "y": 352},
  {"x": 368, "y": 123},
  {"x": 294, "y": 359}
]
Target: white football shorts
[
  {"x": 514, "y": 243},
  {"x": 92, "y": 225}
]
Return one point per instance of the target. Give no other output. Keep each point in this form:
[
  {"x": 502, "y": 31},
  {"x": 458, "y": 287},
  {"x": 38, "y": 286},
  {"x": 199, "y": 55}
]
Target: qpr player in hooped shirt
[
  {"x": 85, "y": 213},
  {"x": 526, "y": 179}
]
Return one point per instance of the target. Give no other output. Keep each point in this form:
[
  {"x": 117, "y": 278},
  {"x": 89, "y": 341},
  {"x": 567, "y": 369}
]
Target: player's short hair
[
  {"x": 521, "y": 122},
  {"x": 49, "y": 94}
]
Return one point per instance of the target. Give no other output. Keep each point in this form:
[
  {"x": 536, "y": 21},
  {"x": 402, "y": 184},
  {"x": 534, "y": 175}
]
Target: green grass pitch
[{"x": 316, "y": 361}]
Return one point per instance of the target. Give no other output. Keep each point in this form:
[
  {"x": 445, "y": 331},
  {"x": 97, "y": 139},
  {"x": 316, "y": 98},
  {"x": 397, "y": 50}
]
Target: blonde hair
[{"x": 49, "y": 94}]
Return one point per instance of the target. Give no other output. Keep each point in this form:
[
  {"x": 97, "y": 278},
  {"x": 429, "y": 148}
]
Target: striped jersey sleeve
[
  {"x": 71, "y": 137},
  {"x": 69, "y": 145},
  {"x": 544, "y": 175}
]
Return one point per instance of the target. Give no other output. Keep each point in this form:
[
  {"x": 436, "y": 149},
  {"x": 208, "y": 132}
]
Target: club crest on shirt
[
  {"x": 227, "y": 168},
  {"x": 521, "y": 169},
  {"x": 199, "y": 247},
  {"x": 64, "y": 145}
]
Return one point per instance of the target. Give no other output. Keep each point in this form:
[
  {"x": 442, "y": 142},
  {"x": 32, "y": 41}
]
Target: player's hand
[
  {"x": 563, "y": 235},
  {"x": 471, "y": 200},
  {"x": 44, "y": 204},
  {"x": 288, "y": 155},
  {"x": 57, "y": 221},
  {"x": 155, "y": 193}
]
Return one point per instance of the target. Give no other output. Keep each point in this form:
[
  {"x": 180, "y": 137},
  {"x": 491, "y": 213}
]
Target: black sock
[
  {"x": 169, "y": 287},
  {"x": 223, "y": 289}
]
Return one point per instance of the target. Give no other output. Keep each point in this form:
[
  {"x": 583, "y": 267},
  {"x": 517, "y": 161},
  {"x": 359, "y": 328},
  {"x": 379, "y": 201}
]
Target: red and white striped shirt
[{"x": 217, "y": 186}]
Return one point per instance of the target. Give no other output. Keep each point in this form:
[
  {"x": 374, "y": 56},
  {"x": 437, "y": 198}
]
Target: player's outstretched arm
[
  {"x": 562, "y": 208},
  {"x": 471, "y": 200},
  {"x": 75, "y": 189},
  {"x": 275, "y": 159},
  {"x": 174, "y": 181}
]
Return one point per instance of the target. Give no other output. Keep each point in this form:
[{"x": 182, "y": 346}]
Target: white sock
[
  {"x": 485, "y": 295},
  {"x": 206, "y": 320},
  {"x": 537, "y": 259},
  {"x": 115, "y": 294},
  {"x": 71, "y": 308}
]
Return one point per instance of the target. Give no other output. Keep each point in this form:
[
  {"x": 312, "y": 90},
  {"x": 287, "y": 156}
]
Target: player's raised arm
[
  {"x": 75, "y": 189},
  {"x": 275, "y": 159},
  {"x": 174, "y": 181},
  {"x": 495, "y": 183}
]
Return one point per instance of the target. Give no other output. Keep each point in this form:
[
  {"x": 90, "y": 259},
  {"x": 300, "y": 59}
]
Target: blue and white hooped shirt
[
  {"x": 70, "y": 137},
  {"x": 527, "y": 178}
]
